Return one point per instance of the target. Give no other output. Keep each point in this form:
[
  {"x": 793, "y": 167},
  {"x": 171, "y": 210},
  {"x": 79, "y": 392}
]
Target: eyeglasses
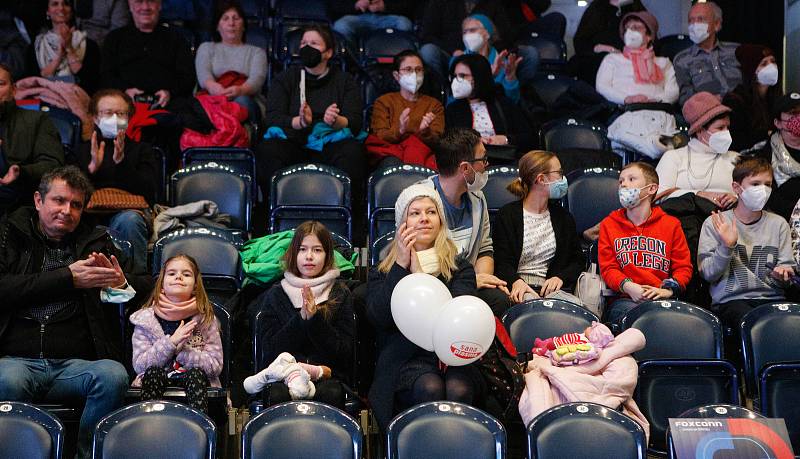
[
  {"x": 410, "y": 70},
  {"x": 120, "y": 114},
  {"x": 559, "y": 171},
  {"x": 484, "y": 160}
]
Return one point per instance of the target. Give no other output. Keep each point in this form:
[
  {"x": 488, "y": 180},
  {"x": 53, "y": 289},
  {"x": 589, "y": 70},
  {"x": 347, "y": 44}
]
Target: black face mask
[{"x": 310, "y": 56}]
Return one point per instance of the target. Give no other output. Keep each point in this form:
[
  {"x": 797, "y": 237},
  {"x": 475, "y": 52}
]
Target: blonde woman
[{"x": 406, "y": 374}]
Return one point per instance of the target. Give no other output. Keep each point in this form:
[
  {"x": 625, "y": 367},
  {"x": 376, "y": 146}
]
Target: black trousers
[
  {"x": 328, "y": 391},
  {"x": 155, "y": 383},
  {"x": 731, "y": 315}
]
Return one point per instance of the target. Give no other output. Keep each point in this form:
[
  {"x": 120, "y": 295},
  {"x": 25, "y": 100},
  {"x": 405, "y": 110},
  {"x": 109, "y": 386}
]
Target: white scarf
[
  {"x": 48, "y": 44},
  {"x": 429, "y": 261},
  {"x": 320, "y": 286},
  {"x": 783, "y": 165}
]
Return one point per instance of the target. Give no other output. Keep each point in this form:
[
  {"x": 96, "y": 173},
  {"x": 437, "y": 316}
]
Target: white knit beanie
[{"x": 417, "y": 190}]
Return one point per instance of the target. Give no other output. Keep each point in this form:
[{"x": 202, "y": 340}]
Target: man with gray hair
[{"x": 709, "y": 64}]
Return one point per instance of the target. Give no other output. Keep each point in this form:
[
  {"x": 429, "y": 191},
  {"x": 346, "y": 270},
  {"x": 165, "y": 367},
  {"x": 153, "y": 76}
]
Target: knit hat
[
  {"x": 749, "y": 56},
  {"x": 417, "y": 190},
  {"x": 701, "y": 108},
  {"x": 786, "y": 104},
  {"x": 648, "y": 19},
  {"x": 485, "y": 22}
]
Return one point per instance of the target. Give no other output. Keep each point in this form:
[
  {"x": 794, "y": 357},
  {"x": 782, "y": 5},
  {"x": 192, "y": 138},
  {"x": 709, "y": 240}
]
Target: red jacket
[{"x": 648, "y": 254}]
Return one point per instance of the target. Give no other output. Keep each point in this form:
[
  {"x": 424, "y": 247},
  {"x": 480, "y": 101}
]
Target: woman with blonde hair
[
  {"x": 536, "y": 246},
  {"x": 406, "y": 374}
]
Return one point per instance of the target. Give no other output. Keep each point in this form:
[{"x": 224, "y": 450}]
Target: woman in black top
[{"x": 536, "y": 246}]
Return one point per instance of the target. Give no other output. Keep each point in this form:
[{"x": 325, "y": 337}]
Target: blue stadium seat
[
  {"x": 780, "y": 396},
  {"x": 155, "y": 429},
  {"x": 216, "y": 253},
  {"x": 445, "y": 430},
  {"x": 382, "y": 45},
  {"x": 681, "y": 365},
  {"x": 69, "y": 128},
  {"x": 495, "y": 190},
  {"x": 27, "y": 431},
  {"x": 550, "y": 86},
  {"x": 603, "y": 433},
  {"x": 310, "y": 192},
  {"x": 570, "y": 133},
  {"x": 231, "y": 191},
  {"x": 383, "y": 188},
  {"x": 302, "y": 429},
  {"x": 544, "y": 318},
  {"x": 377, "y": 246},
  {"x": 769, "y": 335},
  {"x": 552, "y": 50},
  {"x": 592, "y": 195},
  {"x": 671, "y": 45},
  {"x": 715, "y": 411},
  {"x": 241, "y": 160}
]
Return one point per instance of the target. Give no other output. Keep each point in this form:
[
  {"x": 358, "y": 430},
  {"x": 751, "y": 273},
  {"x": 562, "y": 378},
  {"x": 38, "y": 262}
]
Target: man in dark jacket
[
  {"x": 29, "y": 146},
  {"x": 60, "y": 336}
]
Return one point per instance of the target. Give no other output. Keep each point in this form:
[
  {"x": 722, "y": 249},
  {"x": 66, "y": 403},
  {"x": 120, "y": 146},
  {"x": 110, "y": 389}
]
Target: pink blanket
[
  {"x": 610, "y": 380},
  {"x": 68, "y": 96}
]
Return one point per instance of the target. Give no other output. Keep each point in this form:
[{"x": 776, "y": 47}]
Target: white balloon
[
  {"x": 464, "y": 331},
  {"x": 416, "y": 302}
]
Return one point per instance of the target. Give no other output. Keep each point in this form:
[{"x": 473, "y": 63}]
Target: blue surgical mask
[{"x": 558, "y": 188}]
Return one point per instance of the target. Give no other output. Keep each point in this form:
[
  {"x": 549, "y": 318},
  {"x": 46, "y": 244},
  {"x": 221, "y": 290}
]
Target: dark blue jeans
[{"x": 102, "y": 383}]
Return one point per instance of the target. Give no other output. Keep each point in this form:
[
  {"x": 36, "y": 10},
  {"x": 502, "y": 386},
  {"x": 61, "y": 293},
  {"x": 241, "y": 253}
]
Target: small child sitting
[{"x": 575, "y": 348}]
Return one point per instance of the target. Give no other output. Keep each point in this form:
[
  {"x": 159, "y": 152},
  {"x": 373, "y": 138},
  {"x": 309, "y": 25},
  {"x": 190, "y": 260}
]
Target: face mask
[
  {"x": 720, "y": 141},
  {"x": 473, "y": 41},
  {"x": 768, "y": 76},
  {"x": 429, "y": 261},
  {"x": 558, "y": 189},
  {"x": 480, "y": 181},
  {"x": 633, "y": 39},
  {"x": 461, "y": 88},
  {"x": 111, "y": 125},
  {"x": 755, "y": 197},
  {"x": 698, "y": 32},
  {"x": 793, "y": 125},
  {"x": 310, "y": 57},
  {"x": 630, "y": 197},
  {"x": 412, "y": 82}
]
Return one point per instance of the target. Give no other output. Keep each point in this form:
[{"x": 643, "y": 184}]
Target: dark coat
[
  {"x": 507, "y": 119},
  {"x": 441, "y": 23},
  {"x": 507, "y": 235},
  {"x": 394, "y": 349},
  {"x": 22, "y": 281}
]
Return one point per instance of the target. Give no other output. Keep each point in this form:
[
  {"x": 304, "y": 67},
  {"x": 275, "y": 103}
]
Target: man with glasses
[{"x": 462, "y": 162}]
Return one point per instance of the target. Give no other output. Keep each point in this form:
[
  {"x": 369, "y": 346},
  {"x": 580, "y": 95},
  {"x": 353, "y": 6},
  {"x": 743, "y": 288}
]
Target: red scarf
[
  {"x": 645, "y": 69},
  {"x": 175, "y": 311}
]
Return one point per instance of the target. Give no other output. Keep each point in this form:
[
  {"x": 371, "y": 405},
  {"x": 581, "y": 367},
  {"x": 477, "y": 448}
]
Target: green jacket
[
  {"x": 262, "y": 258},
  {"x": 30, "y": 140}
]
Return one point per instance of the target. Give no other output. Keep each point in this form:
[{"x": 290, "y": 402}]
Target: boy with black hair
[{"x": 746, "y": 253}]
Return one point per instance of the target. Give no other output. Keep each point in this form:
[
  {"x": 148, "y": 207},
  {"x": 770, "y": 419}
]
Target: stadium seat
[
  {"x": 231, "y": 191},
  {"x": 69, "y": 128},
  {"x": 383, "y": 188},
  {"x": 302, "y": 429},
  {"x": 161, "y": 175},
  {"x": 495, "y": 190},
  {"x": 570, "y": 133},
  {"x": 29, "y": 432},
  {"x": 717, "y": 411},
  {"x": 550, "y": 86},
  {"x": 681, "y": 365},
  {"x": 216, "y": 253},
  {"x": 552, "y": 50},
  {"x": 671, "y": 45},
  {"x": 769, "y": 335},
  {"x": 377, "y": 246},
  {"x": 310, "y": 192},
  {"x": 544, "y": 318},
  {"x": 241, "y": 160},
  {"x": 780, "y": 396},
  {"x": 592, "y": 430},
  {"x": 382, "y": 45},
  {"x": 155, "y": 429},
  {"x": 445, "y": 430},
  {"x": 592, "y": 195}
]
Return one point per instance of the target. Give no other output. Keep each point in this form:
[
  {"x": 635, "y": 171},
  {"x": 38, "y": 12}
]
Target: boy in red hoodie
[{"x": 642, "y": 251}]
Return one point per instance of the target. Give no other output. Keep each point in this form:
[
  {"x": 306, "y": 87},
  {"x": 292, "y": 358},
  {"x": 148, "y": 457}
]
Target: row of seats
[{"x": 311, "y": 429}]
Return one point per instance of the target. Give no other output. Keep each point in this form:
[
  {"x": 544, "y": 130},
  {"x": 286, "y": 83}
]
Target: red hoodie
[{"x": 648, "y": 254}]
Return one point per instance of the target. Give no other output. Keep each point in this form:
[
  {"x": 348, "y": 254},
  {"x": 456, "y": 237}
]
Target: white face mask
[
  {"x": 411, "y": 82},
  {"x": 633, "y": 39},
  {"x": 461, "y": 88},
  {"x": 473, "y": 41},
  {"x": 720, "y": 141},
  {"x": 481, "y": 178},
  {"x": 698, "y": 32},
  {"x": 755, "y": 197},
  {"x": 768, "y": 76},
  {"x": 111, "y": 125}
]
